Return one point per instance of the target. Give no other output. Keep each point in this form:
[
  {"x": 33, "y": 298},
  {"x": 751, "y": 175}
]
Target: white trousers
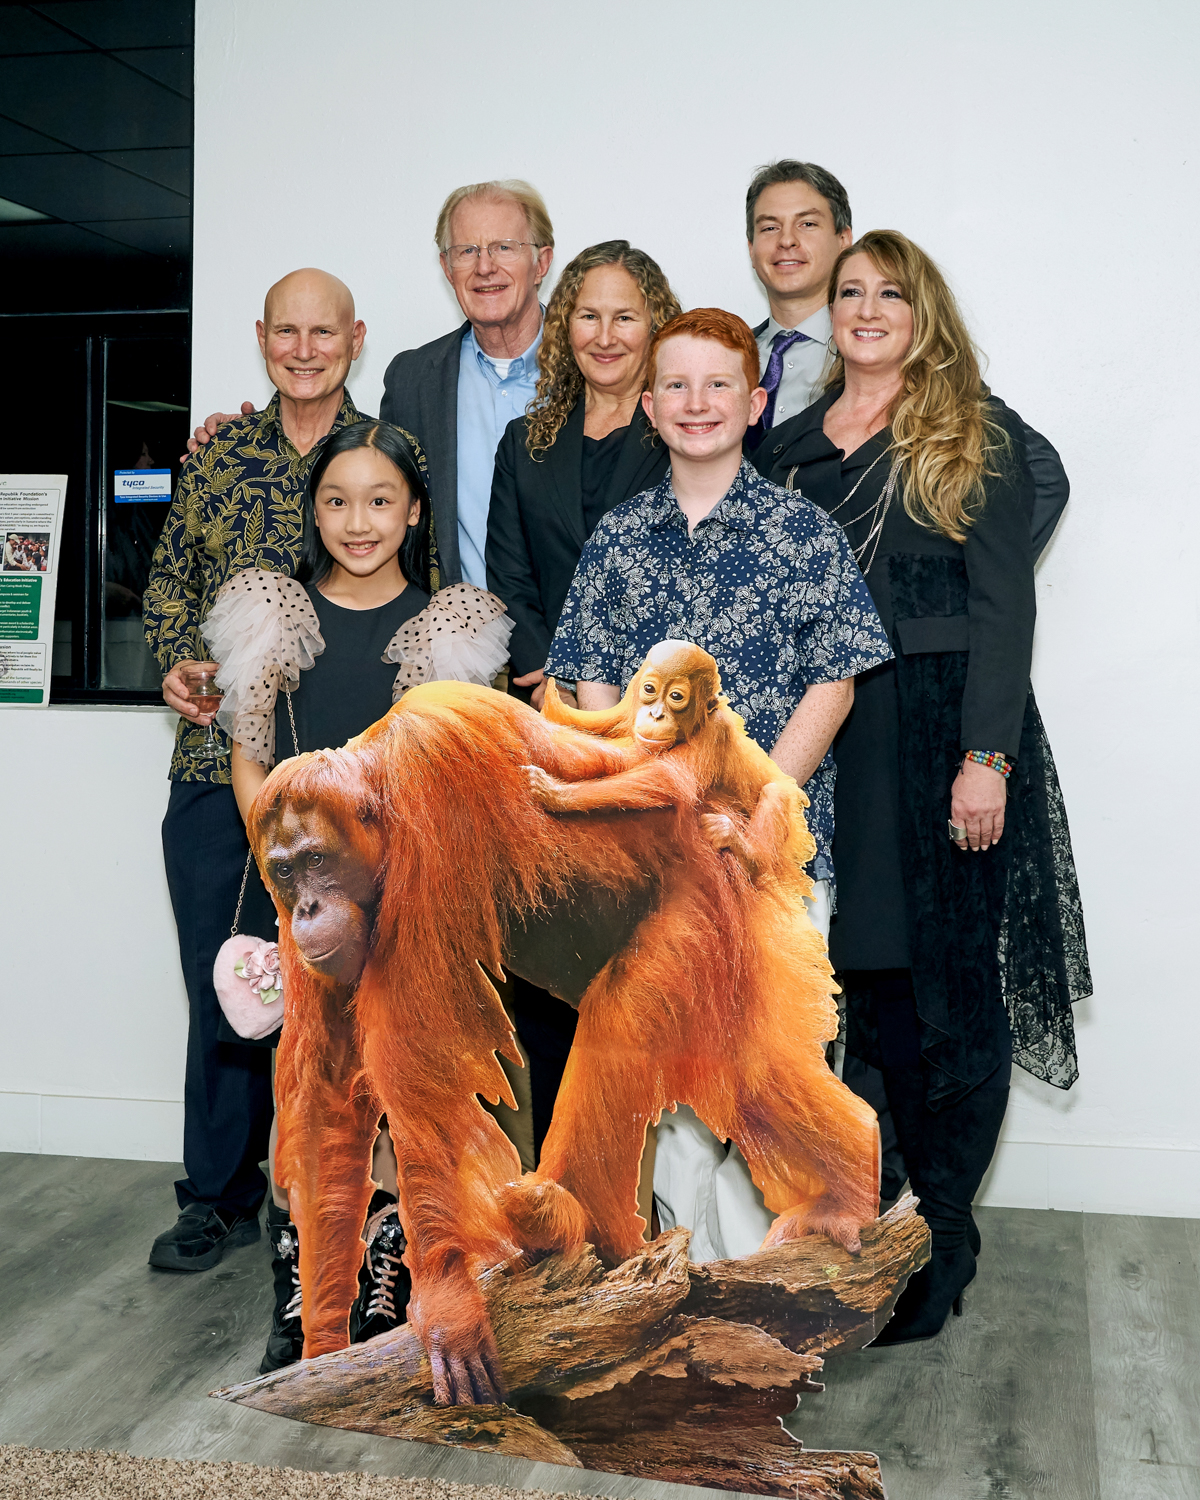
[{"x": 705, "y": 1183}]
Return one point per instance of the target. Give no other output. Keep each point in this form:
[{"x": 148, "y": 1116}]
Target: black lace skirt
[{"x": 995, "y": 940}]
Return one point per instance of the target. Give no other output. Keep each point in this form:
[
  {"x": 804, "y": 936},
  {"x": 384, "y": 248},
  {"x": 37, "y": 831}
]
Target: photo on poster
[
  {"x": 26, "y": 552},
  {"x": 553, "y": 1314}
]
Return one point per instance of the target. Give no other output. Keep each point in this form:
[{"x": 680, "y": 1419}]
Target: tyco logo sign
[{"x": 141, "y": 484}]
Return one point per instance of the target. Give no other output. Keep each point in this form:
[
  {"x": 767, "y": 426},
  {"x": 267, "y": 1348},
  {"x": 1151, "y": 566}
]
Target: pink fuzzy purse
[{"x": 249, "y": 985}]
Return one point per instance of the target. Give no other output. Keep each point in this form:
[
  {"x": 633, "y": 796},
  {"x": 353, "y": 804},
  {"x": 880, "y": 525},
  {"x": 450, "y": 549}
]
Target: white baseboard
[
  {"x": 1025, "y": 1174},
  {"x": 1156, "y": 1182},
  {"x": 71, "y": 1125}
]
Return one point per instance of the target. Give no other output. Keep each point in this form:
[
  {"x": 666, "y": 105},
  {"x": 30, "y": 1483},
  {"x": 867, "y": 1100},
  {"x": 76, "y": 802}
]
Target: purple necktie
[{"x": 772, "y": 375}]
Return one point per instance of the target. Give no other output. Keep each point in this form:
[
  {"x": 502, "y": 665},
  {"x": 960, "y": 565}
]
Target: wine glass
[{"x": 200, "y": 678}]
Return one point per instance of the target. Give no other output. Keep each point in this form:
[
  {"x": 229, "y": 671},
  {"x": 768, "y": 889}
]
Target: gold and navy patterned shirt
[{"x": 238, "y": 505}]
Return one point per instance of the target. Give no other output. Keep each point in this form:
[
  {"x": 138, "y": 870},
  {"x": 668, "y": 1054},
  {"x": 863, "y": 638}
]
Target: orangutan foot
[
  {"x": 543, "y": 1214},
  {"x": 820, "y": 1217}
]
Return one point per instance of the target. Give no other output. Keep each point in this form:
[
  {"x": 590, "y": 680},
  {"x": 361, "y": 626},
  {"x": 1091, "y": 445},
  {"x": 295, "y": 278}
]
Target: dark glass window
[{"x": 95, "y": 286}]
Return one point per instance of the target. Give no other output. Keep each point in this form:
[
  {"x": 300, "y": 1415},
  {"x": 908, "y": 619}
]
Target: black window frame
[{"x": 95, "y": 331}]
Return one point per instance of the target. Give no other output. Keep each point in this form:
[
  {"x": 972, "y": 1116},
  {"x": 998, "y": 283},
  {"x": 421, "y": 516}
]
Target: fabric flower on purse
[
  {"x": 260, "y": 969},
  {"x": 249, "y": 985}
]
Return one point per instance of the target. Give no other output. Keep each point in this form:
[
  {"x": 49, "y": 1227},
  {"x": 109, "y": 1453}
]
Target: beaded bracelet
[{"x": 993, "y": 759}]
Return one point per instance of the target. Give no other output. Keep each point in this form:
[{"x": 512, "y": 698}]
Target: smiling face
[
  {"x": 363, "y": 509},
  {"x": 702, "y": 401},
  {"x": 309, "y": 336},
  {"x": 610, "y": 331},
  {"x": 872, "y": 322},
  {"x": 795, "y": 244},
  {"x": 489, "y": 293}
]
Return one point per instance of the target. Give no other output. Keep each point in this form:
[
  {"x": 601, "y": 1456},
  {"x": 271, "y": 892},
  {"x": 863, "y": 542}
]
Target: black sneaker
[
  {"x": 285, "y": 1344},
  {"x": 200, "y": 1236},
  {"x": 384, "y": 1284}
]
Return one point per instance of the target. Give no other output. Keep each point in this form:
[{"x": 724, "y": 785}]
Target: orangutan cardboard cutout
[{"x": 645, "y": 864}]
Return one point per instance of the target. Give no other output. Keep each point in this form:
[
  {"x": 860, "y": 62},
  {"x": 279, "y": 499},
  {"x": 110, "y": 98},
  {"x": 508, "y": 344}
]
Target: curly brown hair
[{"x": 560, "y": 381}]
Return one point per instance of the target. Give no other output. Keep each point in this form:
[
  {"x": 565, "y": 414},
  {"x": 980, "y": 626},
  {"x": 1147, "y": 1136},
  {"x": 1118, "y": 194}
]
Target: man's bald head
[
  {"x": 307, "y": 287},
  {"x": 309, "y": 336}
]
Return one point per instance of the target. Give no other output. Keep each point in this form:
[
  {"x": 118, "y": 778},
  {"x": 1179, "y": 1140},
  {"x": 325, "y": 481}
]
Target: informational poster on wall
[{"x": 31, "y": 509}]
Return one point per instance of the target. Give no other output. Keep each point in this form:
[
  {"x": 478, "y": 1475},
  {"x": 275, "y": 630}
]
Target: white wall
[
  {"x": 93, "y": 1015},
  {"x": 1045, "y": 154}
]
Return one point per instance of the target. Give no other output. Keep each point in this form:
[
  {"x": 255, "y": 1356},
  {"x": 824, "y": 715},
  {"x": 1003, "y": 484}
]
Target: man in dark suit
[
  {"x": 459, "y": 392},
  {"x": 798, "y": 222}
]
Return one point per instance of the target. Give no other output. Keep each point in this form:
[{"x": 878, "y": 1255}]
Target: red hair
[{"x": 724, "y": 328}]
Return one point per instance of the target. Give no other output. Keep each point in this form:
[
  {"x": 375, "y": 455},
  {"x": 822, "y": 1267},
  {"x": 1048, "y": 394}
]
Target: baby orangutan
[{"x": 675, "y": 696}]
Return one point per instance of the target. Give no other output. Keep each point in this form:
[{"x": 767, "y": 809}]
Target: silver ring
[{"x": 955, "y": 831}]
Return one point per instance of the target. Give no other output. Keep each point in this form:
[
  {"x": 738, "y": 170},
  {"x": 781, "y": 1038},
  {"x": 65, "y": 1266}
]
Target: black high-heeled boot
[
  {"x": 946, "y": 1167},
  {"x": 906, "y": 1104}
]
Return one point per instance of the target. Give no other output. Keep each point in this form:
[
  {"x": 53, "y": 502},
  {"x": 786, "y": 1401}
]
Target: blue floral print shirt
[{"x": 766, "y": 584}]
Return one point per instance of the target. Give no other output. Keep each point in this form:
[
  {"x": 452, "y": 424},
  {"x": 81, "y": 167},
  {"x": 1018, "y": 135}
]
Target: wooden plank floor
[{"x": 1074, "y": 1372}]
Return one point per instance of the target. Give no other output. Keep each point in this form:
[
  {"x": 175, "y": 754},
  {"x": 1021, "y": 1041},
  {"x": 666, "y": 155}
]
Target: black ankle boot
[
  {"x": 384, "y": 1284},
  {"x": 952, "y": 1148},
  {"x": 285, "y": 1344}
]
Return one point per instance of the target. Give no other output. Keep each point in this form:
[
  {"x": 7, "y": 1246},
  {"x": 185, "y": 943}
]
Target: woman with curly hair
[
  {"x": 958, "y": 938},
  {"x": 583, "y": 446}
]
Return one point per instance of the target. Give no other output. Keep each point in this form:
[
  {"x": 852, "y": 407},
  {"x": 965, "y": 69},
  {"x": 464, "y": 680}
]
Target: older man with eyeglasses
[{"x": 458, "y": 393}]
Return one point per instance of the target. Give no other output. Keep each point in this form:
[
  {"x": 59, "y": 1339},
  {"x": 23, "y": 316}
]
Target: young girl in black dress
[{"x": 332, "y": 638}]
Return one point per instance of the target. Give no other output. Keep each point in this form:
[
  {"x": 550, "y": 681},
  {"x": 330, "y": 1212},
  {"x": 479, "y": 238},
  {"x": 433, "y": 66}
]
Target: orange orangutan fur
[{"x": 719, "y": 998}]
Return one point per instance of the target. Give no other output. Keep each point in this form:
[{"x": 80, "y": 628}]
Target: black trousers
[{"x": 227, "y": 1105}]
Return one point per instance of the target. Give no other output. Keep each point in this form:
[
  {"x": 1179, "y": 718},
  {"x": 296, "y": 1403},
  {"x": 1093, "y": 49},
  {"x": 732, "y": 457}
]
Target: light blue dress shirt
[{"x": 486, "y": 405}]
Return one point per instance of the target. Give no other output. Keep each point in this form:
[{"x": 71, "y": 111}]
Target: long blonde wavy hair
[
  {"x": 560, "y": 381},
  {"x": 942, "y": 436}
]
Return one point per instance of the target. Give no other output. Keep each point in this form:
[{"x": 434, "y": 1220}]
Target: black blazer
[
  {"x": 420, "y": 394},
  {"x": 536, "y": 528},
  {"x": 995, "y": 618}
]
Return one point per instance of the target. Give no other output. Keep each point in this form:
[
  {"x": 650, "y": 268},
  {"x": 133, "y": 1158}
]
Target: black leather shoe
[
  {"x": 200, "y": 1236},
  {"x": 384, "y": 1284},
  {"x": 285, "y": 1343}
]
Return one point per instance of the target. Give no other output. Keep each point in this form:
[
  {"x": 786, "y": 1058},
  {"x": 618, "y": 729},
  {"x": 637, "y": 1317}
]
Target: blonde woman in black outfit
[{"x": 958, "y": 936}]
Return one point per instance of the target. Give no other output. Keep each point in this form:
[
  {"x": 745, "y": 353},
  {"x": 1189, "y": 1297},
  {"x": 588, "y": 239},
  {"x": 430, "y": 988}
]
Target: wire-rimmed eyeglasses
[{"x": 504, "y": 251}]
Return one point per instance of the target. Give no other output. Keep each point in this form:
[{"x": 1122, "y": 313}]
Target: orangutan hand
[
  {"x": 720, "y": 831},
  {"x": 451, "y": 1320},
  {"x": 545, "y": 789}
]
